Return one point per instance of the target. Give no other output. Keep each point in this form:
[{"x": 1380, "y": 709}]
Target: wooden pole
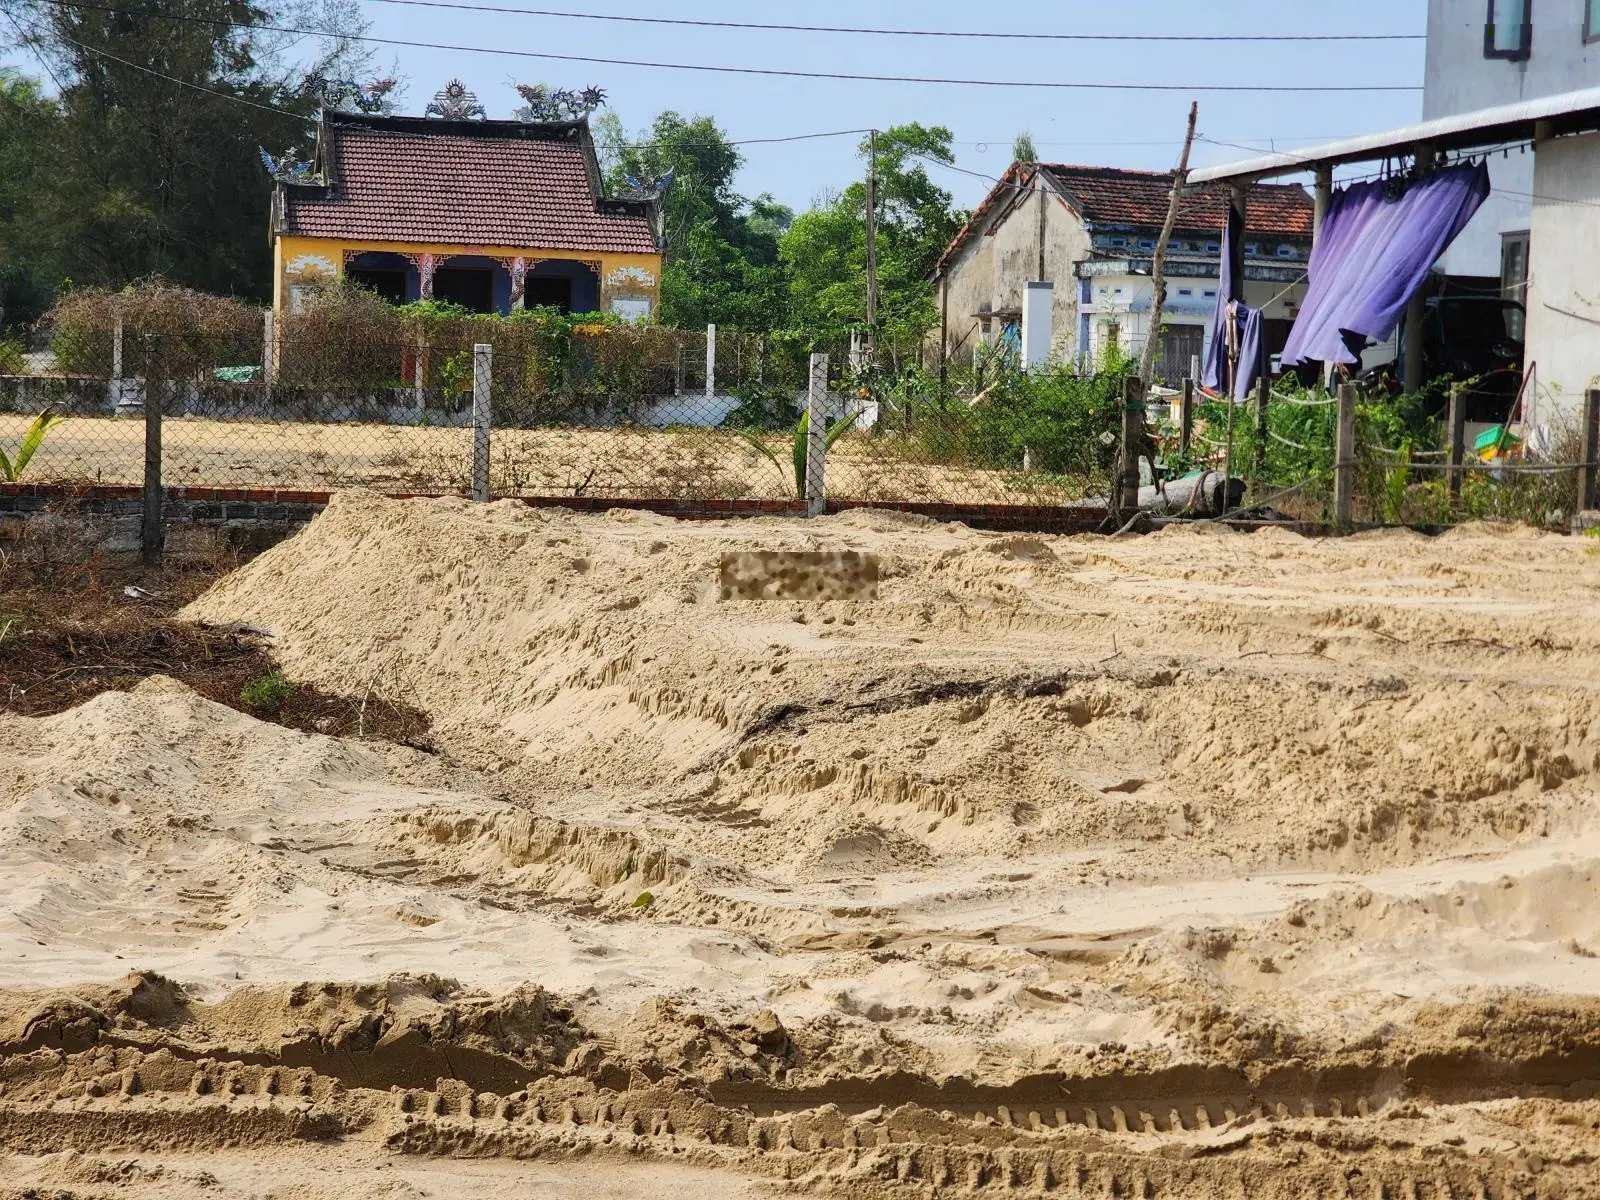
[
  {"x": 1186, "y": 420},
  {"x": 1322, "y": 198},
  {"x": 1126, "y": 498},
  {"x": 1158, "y": 268},
  {"x": 872, "y": 240},
  {"x": 1258, "y": 456},
  {"x": 1344, "y": 457},
  {"x": 1588, "y": 473},
  {"x": 1458, "y": 439},
  {"x": 150, "y": 533}
]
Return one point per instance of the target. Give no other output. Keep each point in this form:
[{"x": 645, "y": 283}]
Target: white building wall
[
  {"x": 1459, "y": 79},
  {"x": 1126, "y": 300},
  {"x": 1563, "y": 332}
]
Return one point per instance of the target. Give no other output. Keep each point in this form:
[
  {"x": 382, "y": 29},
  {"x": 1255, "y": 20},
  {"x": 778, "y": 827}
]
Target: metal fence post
[
  {"x": 1344, "y": 457},
  {"x": 711, "y": 361},
  {"x": 816, "y": 435},
  {"x": 1588, "y": 472},
  {"x": 1258, "y": 457},
  {"x": 482, "y": 376},
  {"x": 1126, "y": 498},
  {"x": 1186, "y": 420},
  {"x": 150, "y": 534},
  {"x": 1458, "y": 439}
]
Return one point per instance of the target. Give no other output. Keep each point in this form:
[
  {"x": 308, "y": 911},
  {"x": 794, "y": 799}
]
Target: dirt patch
[{"x": 69, "y": 633}]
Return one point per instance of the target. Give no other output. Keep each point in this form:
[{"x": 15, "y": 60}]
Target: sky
[{"x": 1125, "y": 129}]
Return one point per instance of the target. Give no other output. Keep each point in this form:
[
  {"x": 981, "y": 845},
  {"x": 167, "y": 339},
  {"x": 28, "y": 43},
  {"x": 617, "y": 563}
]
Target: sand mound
[{"x": 1201, "y": 864}]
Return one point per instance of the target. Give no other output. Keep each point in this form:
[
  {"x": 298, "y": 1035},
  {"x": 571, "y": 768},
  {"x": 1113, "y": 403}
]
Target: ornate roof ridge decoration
[
  {"x": 370, "y": 97},
  {"x": 287, "y": 168},
  {"x": 454, "y": 102},
  {"x": 545, "y": 104},
  {"x": 647, "y": 187}
]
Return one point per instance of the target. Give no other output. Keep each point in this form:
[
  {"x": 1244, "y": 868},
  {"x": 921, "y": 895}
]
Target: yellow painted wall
[{"x": 309, "y": 260}]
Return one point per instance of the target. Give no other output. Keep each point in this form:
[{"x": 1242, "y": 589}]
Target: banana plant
[
  {"x": 11, "y": 469},
  {"x": 801, "y": 434}
]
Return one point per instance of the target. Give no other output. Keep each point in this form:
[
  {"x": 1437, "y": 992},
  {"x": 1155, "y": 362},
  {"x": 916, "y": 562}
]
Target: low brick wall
[{"x": 107, "y": 519}]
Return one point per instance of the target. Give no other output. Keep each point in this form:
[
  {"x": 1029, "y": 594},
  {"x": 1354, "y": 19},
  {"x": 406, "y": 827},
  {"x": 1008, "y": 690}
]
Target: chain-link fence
[{"x": 366, "y": 397}]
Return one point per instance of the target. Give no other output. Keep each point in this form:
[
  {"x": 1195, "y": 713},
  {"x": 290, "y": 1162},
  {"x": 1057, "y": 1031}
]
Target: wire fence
[
  {"x": 313, "y": 403},
  {"x": 1404, "y": 465}
]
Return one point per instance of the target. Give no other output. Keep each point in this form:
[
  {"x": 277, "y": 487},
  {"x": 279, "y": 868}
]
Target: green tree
[
  {"x": 29, "y": 263},
  {"x": 152, "y": 150},
  {"x": 1022, "y": 150},
  {"x": 825, "y": 249},
  {"x": 722, "y": 262}
]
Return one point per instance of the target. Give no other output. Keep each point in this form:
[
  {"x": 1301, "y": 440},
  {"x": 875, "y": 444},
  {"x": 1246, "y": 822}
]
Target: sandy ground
[
  {"x": 1203, "y": 864},
  {"x": 690, "y": 463}
]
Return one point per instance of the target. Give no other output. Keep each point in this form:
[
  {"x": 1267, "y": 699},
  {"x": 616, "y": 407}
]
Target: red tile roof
[
  {"x": 1113, "y": 196},
  {"x": 479, "y": 183},
  {"x": 1110, "y": 196}
]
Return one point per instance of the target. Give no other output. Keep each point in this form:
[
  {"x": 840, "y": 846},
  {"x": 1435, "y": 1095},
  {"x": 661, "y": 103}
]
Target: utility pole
[
  {"x": 872, "y": 242},
  {"x": 1158, "y": 269}
]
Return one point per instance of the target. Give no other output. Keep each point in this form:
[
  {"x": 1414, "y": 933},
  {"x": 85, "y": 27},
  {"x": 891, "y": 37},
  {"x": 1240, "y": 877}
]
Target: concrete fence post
[
  {"x": 269, "y": 351},
  {"x": 711, "y": 362},
  {"x": 1344, "y": 457},
  {"x": 116, "y": 350},
  {"x": 1458, "y": 439},
  {"x": 1588, "y": 472},
  {"x": 155, "y": 394},
  {"x": 482, "y": 418},
  {"x": 816, "y": 435},
  {"x": 419, "y": 373}
]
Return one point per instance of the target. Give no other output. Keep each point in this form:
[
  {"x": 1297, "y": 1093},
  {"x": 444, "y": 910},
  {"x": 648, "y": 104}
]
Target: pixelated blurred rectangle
[{"x": 799, "y": 575}]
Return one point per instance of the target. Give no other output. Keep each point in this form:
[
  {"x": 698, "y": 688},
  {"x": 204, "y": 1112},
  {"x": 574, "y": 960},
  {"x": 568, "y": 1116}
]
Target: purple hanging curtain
[
  {"x": 1229, "y": 288},
  {"x": 1247, "y": 321},
  {"x": 1373, "y": 254}
]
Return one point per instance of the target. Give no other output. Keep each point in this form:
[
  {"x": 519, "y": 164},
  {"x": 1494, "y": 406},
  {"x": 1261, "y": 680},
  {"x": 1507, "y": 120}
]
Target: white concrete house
[
  {"x": 1488, "y": 53},
  {"x": 1060, "y": 258}
]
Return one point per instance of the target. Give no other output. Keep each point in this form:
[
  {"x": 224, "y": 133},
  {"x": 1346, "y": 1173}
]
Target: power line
[
  {"x": 1054, "y": 85},
  {"x": 921, "y": 33}
]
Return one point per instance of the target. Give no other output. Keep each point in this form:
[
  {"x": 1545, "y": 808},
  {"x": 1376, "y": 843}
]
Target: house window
[
  {"x": 1147, "y": 243},
  {"x": 1252, "y": 248},
  {"x": 1591, "y": 21},
  {"x": 1508, "y": 32},
  {"x": 1514, "y": 275},
  {"x": 1213, "y": 248},
  {"x": 1117, "y": 241},
  {"x": 1286, "y": 252},
  {"x": 1212, "y": 294},
  {"x": 1185, "y": 291}
]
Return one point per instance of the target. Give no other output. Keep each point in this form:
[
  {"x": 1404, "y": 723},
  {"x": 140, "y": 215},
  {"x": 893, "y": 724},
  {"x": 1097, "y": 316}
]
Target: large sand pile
[{"x": 1189, "y": 865}]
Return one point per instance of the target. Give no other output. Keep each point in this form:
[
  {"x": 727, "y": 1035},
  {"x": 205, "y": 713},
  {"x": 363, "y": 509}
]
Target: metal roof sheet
[{"x": 1569, "y": 112}]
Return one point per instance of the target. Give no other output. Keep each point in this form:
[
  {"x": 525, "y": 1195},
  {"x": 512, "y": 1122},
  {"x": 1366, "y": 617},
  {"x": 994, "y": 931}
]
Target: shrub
[{"x": 267, "y": 694}]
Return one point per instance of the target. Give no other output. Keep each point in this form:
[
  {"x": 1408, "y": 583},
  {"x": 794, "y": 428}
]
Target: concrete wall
[
  {"x": 1131, "y": 309},
  {"x": 1563, "y": 334},
  {"x": 1459, "y": 79},
  {"x": 992, "y": 269}
]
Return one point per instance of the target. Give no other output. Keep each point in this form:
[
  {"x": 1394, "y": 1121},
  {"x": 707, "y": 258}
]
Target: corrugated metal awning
[{"x": 1567, "y": 113}]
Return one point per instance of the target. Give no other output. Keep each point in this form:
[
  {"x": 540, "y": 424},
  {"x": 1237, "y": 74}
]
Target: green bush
[{"x": 268, "y": 694}]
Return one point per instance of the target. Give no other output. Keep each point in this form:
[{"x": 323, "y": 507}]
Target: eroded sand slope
[{"x": 1199, "y": 864}]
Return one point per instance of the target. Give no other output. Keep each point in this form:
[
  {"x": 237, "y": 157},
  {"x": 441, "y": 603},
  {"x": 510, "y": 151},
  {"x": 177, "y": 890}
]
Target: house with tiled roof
[
  {"x": 1090, "y": 233},
  {"x": 492, "y": 215}
]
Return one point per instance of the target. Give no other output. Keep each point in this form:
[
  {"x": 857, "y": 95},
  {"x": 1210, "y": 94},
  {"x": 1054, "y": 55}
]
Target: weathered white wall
[
  {"x": 991, "y": 270},
  {"x": 1131, "y": 309},
  {"x": 1459, "y": 79},
  {"x": 1563, "y": 333}
]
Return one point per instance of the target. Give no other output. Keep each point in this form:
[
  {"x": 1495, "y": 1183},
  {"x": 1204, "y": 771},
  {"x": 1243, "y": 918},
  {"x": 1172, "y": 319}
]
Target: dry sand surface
[
  {"x": 628, "y": 462},
  {"x": 1203, "y": 864}
]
